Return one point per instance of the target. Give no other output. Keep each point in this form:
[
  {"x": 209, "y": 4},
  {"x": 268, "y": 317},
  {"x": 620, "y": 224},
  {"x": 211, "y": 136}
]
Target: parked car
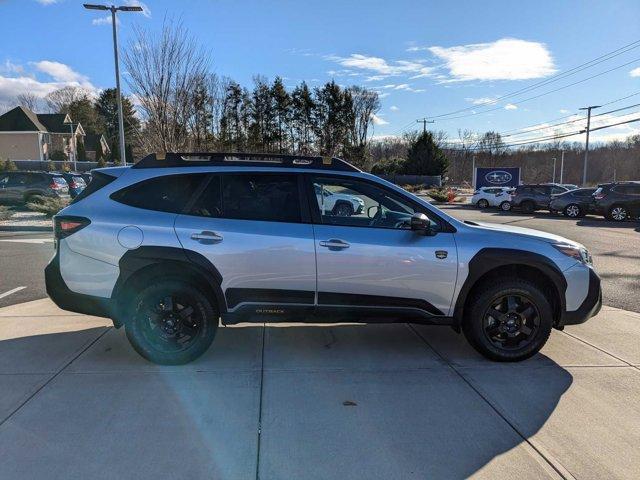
[
  {"x": 244, "y": 238},
  {"x": 574, "y": 203},
  {"x": 336, "y": 203},
  {"x": 21, "y": 187},
  {"x": 535, "y": 197},
  {"x": 569, "y": 186},
  {"x": 618, "y": 201},
  {"x": 75, "y": 181},
  {"x": 87, "y": 177},
  {"x": 491, "y": 196}
]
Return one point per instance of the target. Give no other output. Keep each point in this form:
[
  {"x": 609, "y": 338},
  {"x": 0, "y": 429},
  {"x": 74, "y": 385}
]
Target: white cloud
[
  {"x": 47, "y": 2},
  {"x": 380, "y": 67},
  {"x": 25, "y": 82},
  {"x": 510, "y": 106},
  {"x": 393, "y": 108},
  {"x": 564, "y": 110},
  {"x": 635, "y": 72},
  {"x": 481, "y": 100},
  {"x": 504, "y": 59},
  {"x": 378, "y": 120},
  {"x": 106, "y": 20},
  {"x": 9, "y": 67}
]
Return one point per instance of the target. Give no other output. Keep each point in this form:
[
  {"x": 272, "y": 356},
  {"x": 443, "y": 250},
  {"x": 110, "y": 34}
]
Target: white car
[
  {"x": 338, "y": 204},
  {"x": 491, "y": 196}
]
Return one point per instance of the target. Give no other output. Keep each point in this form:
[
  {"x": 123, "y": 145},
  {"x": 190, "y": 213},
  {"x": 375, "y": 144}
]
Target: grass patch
[
  {"x": 5, "y": 212},
  {"x": 47, "y": 205}
]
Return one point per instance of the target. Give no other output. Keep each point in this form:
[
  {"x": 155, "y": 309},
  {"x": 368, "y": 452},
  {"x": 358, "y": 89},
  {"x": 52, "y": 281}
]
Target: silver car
[{"x": 172, "y": 245}]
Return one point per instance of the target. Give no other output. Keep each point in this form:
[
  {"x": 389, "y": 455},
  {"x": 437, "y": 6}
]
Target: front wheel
[
  {"x": 482, "y": 203},
  {"x": 505, "y": 206},
  {"x": 528, "y": 206},
  {"x": 343, "y": 210},
  {"x": 618, "y": 213},
  {"x": 508, "y": 321},
  {"x": 172, "y": 323}
]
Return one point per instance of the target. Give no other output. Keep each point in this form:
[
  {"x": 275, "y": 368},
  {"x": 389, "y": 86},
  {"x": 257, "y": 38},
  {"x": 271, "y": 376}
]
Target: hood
[{"x": 522, "y": 232}]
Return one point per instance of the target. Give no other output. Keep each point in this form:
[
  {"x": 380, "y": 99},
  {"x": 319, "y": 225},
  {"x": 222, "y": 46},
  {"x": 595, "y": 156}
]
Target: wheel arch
[
  {"x": 144, "y": 264},
  {"x": 491, "y": 264}
]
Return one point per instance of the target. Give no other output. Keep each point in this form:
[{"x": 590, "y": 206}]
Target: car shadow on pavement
[{"x": 339, "y": 401}]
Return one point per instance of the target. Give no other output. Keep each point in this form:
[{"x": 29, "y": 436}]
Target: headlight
[{"x": 581, "y": 254}]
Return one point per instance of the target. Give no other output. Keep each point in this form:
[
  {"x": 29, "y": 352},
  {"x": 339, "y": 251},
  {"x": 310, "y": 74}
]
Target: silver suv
[{"x": 168, "y": 247}]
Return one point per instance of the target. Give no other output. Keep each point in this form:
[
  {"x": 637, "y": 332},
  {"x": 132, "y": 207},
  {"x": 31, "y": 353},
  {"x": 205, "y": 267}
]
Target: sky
[{"x": 424, "y": 58}]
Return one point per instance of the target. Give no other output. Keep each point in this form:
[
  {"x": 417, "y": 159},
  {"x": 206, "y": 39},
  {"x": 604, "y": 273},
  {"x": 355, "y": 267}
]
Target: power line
[{"x": 596, "y": 61}]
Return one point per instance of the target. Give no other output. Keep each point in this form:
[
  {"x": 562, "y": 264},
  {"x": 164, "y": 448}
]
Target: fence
[
  {"x": 57, "y": 165},
  {"x": 427, "y": 180}
]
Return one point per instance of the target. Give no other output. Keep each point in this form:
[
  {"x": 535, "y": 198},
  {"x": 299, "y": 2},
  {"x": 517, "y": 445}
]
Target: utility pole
[
  {"x": 424, "y": 122},
  {"x": 473, "y": 172},
  {"x": 554, "y": 170},
  {"x": 586, "y": 147},
  {"x": 561, "y": 166},
  {"x": 113, "y": 9}
]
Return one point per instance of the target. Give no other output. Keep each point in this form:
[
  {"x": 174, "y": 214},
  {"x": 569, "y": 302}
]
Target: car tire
[
  {"x": 573, "y": 211},
  {"x": 171, "y": 323},
  {"x": 618, "y": 213},
  {"x": 482, "y": 203},
  {"x": 527, "y": 206},
  {"x": 508, "y": 321},
  {"x": 505, "y": 206},
  {"x": 343, "y": 209}
]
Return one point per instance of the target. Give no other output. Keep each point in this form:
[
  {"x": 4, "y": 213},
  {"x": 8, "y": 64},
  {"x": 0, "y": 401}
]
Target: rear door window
[{"x": 169, "y": 193}]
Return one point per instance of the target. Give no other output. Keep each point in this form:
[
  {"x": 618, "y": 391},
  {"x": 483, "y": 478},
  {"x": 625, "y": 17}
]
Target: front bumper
[
  {"x": 66, "y": 299},
  {"x": 589, "y": 307}
]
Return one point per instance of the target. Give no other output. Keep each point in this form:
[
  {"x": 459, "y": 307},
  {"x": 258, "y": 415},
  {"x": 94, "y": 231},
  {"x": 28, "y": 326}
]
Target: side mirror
[{"x": 421, "y": 224}]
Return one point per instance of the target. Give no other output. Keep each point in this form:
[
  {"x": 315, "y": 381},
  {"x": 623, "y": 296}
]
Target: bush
[
  {"x": 57, "y": 156},
  {"x": 413, "y": 188},
  {"x": 5, "y": 212},
  {"x": 438, "y": 194},
  {"x": 389, "y": 166},
  {"x": 47, "y": 205},
  {"x": 7, "y": 166}
]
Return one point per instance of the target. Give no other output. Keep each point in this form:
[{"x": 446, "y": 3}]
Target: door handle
[
  {"x": 334, "y": 244},
  {"x": 206, "y": 237}
]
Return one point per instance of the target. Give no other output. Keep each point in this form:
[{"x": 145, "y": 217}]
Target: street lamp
[
  {"x": 67, "y": 121},
  {"x": 113, "y": 9}
]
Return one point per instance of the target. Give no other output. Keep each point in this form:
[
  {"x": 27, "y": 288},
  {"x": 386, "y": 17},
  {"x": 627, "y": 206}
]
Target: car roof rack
[{"x": 226, "y": 159}]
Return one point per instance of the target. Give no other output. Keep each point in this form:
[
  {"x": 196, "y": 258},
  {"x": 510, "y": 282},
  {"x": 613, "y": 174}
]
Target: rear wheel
[
  {"x": 505, "y": 206},
  {"x": 482, "y": 203},
  {"x": 618, "y": 213},
  {"x": 508, "y": 321},
  {"x": 573, "y": 211},
  {"x": 527, "y": 206},
  {"x": 172, "y": 323}
]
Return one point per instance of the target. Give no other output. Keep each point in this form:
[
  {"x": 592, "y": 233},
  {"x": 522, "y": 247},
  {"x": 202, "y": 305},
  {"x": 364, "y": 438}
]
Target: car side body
[
  {"x": 574, "y": 203},
  {"x": 254, "y": 240},
  {"x": 491, "y": 196},
  {"x": 22, "y": 186},
  {"x": 533, "y": 197},
  {"x": 618, "y": 201}
]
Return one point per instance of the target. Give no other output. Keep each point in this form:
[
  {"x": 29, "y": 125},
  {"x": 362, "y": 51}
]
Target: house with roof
[
  {"x": 25, "y": 135},
  {"x": 96, "y": 146}
]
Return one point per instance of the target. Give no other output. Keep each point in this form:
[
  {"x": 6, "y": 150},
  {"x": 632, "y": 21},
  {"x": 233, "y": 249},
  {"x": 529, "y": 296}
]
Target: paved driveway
[{"x": 331, "y": 402}]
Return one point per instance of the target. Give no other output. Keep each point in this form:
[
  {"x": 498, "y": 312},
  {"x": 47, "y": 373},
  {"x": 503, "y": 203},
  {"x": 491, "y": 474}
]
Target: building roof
[
  {"x": 21, "y": 119},
  {"x": 55, "y": 122}
]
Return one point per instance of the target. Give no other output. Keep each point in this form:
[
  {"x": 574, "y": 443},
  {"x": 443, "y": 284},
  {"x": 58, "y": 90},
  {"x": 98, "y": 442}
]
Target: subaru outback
[{"x": 176, "y": 244}]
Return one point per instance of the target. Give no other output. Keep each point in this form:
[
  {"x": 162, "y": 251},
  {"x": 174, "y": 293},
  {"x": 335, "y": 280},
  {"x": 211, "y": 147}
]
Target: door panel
[
  {"x": 386, "y": 263},
  {"x": 260, "y": 262}
]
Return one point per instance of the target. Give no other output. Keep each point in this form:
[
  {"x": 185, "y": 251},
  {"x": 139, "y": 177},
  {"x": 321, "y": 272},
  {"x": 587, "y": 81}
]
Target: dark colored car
[
  {"x": 535, "y": 197},
  {"x": 574, "y": 203},
  {"x": 21, "y": 187},
  {"x": 76, "y": 183},
  {"x": 618, "y": 201}
]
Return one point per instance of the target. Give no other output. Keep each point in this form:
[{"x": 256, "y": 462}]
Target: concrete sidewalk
[{"x": 307, "y": 402}]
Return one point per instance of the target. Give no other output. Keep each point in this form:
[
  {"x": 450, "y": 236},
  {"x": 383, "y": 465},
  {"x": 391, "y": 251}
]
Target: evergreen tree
[
  {"x": 301, "y": 116},
  {"x": 82, "y": 111},
  {"x": 425, "y": 157},
  {"x": 281, "y": 110},
  {"x": 107, "y": 108}
]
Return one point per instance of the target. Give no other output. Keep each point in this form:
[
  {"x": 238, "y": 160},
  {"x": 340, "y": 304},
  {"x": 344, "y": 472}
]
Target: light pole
[
  {"x": 586, "y": 147},
  {"x": 113, "y": 9},
  {"x": 72, "y": 154},
  {"x": 561, "y": 166},
  {"x": 554, "y": 170}
]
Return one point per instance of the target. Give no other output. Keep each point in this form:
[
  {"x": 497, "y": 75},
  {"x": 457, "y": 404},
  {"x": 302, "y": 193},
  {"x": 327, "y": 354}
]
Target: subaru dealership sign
[{"x": 497, "y": 177}]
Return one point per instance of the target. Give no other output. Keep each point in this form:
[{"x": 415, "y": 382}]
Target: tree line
[{"x": 187, "y": 108}]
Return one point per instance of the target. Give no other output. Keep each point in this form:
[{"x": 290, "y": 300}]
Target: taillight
[
  {"x": 55, "y": 186},
  {"x": 63, "y": 226},
  {"x": 599, "y": 196}
]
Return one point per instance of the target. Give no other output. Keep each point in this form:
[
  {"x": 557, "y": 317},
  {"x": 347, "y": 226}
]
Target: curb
[{"x": 26, "y": 228}]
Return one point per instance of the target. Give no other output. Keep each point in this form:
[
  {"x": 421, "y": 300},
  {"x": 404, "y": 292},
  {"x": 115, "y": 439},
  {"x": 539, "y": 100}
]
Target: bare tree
[
  {"x": 59, "y": 100},
  {"x": 165, "y": 73},
  {"x": 366, "y": 103},
  {"x": 29, "y": 100}
]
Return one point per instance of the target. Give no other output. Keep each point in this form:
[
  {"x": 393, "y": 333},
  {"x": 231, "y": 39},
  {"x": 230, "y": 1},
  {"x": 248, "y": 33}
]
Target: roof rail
[{"x": 164, "y": 160}]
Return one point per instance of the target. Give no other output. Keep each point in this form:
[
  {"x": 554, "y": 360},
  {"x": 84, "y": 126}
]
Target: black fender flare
[
  {"x": 488, "y": 259},
  {"x": 134, "y": 261}
]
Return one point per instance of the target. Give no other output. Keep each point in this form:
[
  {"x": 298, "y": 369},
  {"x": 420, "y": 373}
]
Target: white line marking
[
  {"x": 40, "y": 241},
  {"x": 6, "y": 294}
]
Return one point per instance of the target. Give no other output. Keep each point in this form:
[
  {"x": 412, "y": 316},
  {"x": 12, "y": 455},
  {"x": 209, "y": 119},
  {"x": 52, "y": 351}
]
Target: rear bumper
[
  {"x": 66, "y": 299},
  {"x": 589, "y": 307}
]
